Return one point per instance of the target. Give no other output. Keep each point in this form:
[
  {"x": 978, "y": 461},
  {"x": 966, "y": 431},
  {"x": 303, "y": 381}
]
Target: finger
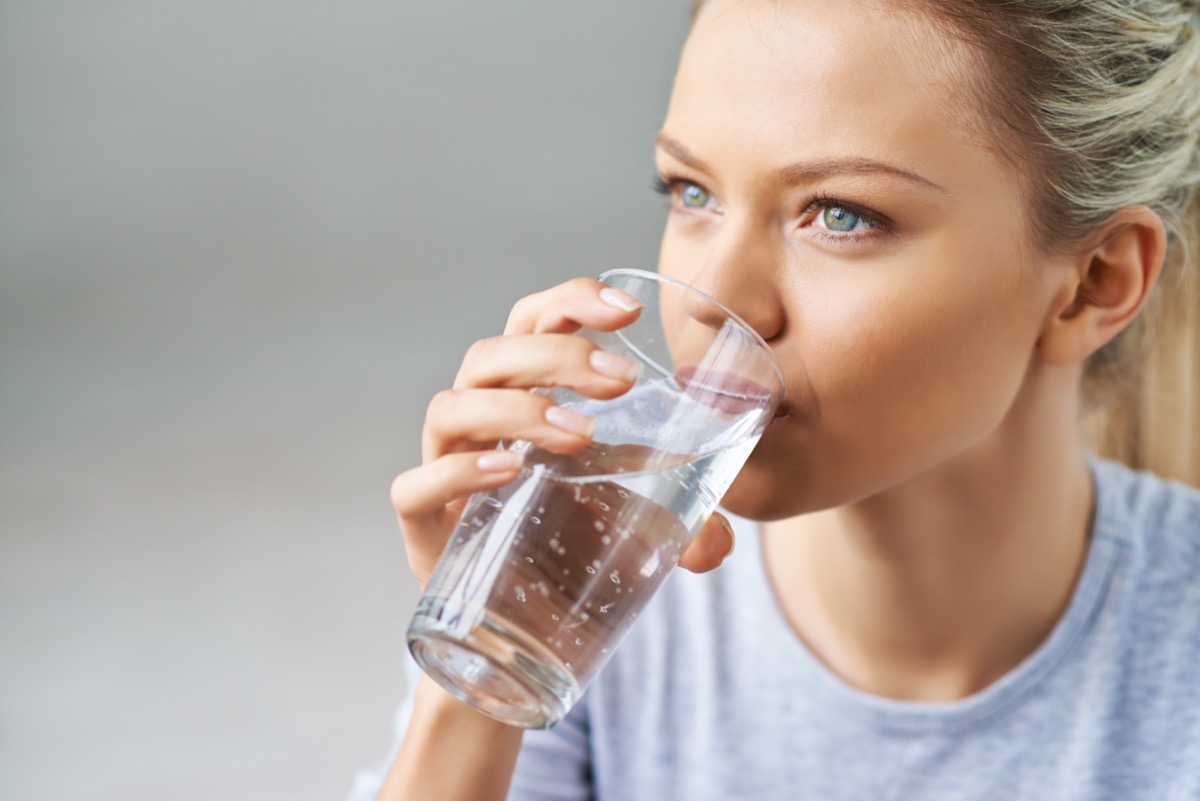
[
  {"x": 567, "y": 307},
  {"x": 468, "y": 419},
  {"x": 421, "y": 496},
  {"x": 710, "y": 547},
  {"x": 546, "y": 360},
  {"x": 424, "y": 491}
]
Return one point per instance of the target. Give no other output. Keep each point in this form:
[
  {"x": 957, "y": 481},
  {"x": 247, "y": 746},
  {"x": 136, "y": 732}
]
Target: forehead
[{"x": 808, "y": 75}]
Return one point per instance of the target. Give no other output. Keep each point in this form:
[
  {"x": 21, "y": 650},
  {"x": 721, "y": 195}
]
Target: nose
[{"x": 741, "y": 270}]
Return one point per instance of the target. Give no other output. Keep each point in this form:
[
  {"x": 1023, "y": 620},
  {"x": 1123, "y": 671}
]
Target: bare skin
[
  {"x": 927, "y": 498},
  {"x": 450, "y": 751}
]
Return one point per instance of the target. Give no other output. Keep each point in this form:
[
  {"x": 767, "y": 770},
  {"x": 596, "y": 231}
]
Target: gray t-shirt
[{"x": 712, "y": 695}]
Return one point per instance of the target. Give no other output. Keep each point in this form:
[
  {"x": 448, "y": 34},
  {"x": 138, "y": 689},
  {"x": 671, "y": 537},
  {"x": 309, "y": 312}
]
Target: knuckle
[
  {"x": 571, "y": 350},
  {"x": 526, "y": 312},
  {"x": 520, "y": 312},
  {"x": 480, "y": 353},
  {"x": 398, "y": 492},
  {"x": 439, "y": 403},
  {"x": 517, "y": 407},
  {"x": 479, "y": 350},
  {"x": 581, "y": 284}
]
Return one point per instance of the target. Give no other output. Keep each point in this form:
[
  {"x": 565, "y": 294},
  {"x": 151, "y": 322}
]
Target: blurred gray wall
[{"x": 241, "y": 244}]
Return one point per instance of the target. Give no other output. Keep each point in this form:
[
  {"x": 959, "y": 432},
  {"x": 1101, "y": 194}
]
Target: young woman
[{"x": 949, "y": 219}]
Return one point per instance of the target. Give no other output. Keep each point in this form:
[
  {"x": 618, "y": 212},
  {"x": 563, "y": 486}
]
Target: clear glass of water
[{"x": 541, "y": 578}]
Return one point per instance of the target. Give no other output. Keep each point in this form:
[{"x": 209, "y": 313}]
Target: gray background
[{"x": 241, "y": 244}]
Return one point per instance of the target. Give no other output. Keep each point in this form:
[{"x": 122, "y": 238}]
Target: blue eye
[
  {"x": 840, "y": 218},
  {"x": 693, "y": 197}
]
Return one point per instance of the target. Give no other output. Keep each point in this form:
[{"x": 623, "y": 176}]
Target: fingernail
[
  {"x": 611, "y": 364},
  {"x": 498, "y": 461},
  {"x": 571, "y": 421},
  {"x": 621, "y": 300}
]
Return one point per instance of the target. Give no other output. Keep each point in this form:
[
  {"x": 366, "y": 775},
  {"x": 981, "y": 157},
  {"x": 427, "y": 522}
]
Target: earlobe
[{"x": 1106, "y": 286}]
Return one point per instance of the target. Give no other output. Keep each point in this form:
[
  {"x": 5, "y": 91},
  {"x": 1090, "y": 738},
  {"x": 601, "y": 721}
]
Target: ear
[{"x": 1104, "y": 286}]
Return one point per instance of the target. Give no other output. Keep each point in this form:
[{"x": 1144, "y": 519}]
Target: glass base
[{"x": 498, "y": 671}]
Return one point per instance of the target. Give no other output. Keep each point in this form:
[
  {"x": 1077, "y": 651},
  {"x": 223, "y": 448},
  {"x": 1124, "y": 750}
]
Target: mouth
[
  {"x": 726, "y": 392},
  {"x": 782, "y": 414}
]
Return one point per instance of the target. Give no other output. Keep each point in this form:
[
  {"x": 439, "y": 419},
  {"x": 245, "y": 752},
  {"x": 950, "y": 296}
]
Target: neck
[{"x": 937, "y": 587}]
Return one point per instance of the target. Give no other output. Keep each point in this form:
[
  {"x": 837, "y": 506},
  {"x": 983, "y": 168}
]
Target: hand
[{"x": 490, "y": 402}]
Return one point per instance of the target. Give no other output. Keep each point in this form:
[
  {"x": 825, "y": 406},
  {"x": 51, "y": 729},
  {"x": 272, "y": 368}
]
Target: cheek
[
  {"x": 681, "y": 257},
  {"x": 929, "y": 350}
]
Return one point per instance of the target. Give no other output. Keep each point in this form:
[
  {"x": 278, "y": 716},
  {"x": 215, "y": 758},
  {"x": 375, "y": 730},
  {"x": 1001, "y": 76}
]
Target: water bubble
[
  {"x": 599, "y": 524},
  {"x": 622, "y": 493},
  {"x": 614, "y": 577},
  {"x": 541, "y": 510},
  {"x": 562, "y": 551},
  {"x": 602, "y": 505},
  {"x": 591, "y": 570},
  {"x": 587, "y": 605},
  {"x": 493, "y": 502},
  {"x": 537, "y": 521},
  {"x": 583, "y": 617},
  {"x": 558, "y": 643},
  {"x": 476, "y": 521},
  {"x": 596, "y": 563},
  {"x": 520, "y": 594},
  {"x": 606, "y": 539},
  {"x": 529, "y": 559},
  {"x": 568, "y": 666},
  {"x": 578, "y": 641},
  {"x": 553, "y": 542},
  {"x": 554, "y": 617}
]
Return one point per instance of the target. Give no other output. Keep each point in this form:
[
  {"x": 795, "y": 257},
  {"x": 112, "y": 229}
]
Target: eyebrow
[{"x": 804, "y": 172}]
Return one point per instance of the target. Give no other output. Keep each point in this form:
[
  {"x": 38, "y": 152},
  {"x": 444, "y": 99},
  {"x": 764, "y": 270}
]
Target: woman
[{"x": 954, "y": 215}]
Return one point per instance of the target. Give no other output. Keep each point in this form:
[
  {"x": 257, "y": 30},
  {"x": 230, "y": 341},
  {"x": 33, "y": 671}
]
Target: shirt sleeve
[{"x": 554, "y": 764}]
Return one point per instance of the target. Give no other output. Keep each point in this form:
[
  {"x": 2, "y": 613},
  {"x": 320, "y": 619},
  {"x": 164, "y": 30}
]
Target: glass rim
[{"x": 664, "y": 279}]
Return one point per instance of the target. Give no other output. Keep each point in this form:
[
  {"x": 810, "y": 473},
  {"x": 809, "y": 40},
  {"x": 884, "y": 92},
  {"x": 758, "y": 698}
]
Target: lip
[
  {"x": 782, "y": 415},
  {"x": 724, "y": 391}
]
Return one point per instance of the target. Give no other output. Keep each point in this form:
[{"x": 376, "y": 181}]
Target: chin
[{"x": 756, "y": 494}]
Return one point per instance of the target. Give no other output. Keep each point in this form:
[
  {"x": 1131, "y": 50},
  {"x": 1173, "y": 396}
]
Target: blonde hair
[{"x": 1099, "y": 102}]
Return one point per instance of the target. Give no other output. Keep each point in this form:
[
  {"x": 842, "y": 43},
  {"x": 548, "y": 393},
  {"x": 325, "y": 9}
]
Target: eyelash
[{"x": 879, "y": 225}]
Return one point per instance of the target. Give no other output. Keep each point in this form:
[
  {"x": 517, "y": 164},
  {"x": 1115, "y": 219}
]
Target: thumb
[{"x": 710, "y": 547}]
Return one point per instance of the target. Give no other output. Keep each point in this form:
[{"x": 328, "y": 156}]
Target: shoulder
[
  {"x": 1138, "y": 676},
  {"x": 1157, "y": 520},
  {"x": 1150, "y": 627}
]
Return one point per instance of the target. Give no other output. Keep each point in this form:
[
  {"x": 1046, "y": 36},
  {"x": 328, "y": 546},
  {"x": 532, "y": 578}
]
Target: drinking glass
[{"x": 542, "y": 577}]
